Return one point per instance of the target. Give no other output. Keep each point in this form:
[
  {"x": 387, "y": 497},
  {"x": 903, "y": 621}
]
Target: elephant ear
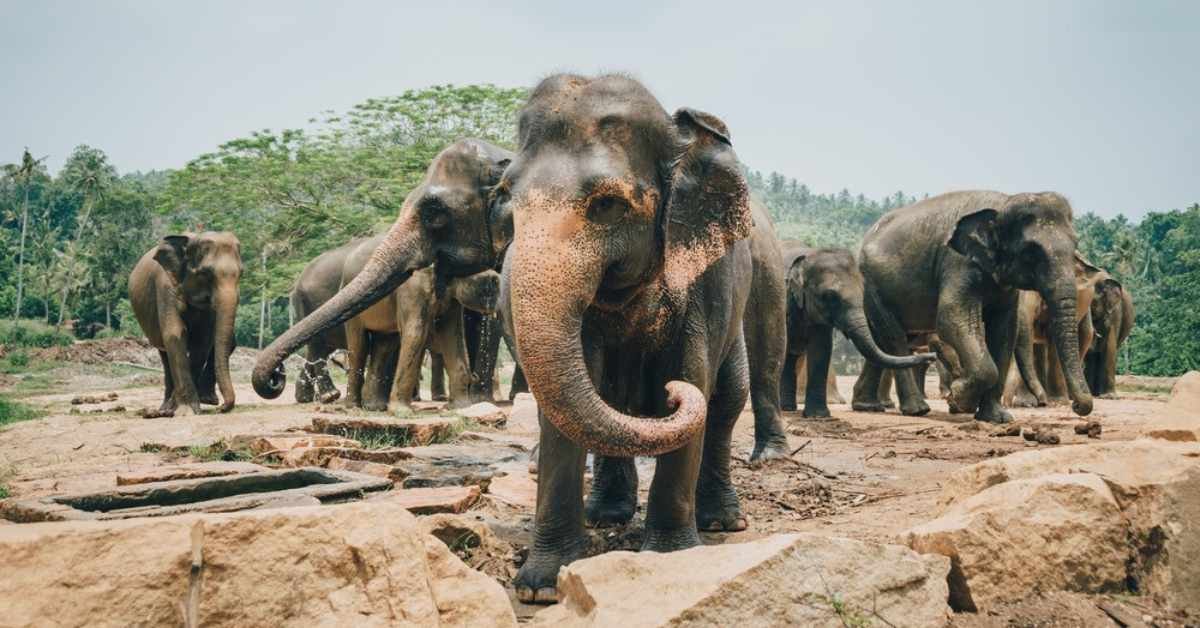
[
  {"x": 795, "y": 282},
  {"x": 975, "y": 237},
  {"x": 171, "y": 254},
  {"x": 708, "y": 203}
]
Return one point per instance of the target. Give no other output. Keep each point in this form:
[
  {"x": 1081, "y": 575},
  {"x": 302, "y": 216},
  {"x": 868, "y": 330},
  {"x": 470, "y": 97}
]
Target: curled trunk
[
  {"x": 854, "y": 325},
  {"x": 551, "y": 289},
  {"x": 226, "y": 309},
  {"x": 1064, "y": 334},
  {"x": 401, "y": 252}
]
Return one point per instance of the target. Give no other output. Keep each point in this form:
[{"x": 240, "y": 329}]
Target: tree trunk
[{"x": 21, "y": 253}]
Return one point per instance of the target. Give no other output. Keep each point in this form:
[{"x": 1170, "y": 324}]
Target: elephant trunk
[
  {"x": 552, "y": 285},
  {"x": 854, "y": 325},
  {"x": 402, "y": 251},
  {"x": 226, "y": 303},
  {"x": 1060, "y": 298}
]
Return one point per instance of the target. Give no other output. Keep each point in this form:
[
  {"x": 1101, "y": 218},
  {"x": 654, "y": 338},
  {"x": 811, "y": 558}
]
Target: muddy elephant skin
[
  {"x": 445, "y": 219},
  {"x": 628, "y": 273},
  {"x": 184, "y": 293},
  {"x": 825, "y": 291},
  {"x": 953, "y": 264}
]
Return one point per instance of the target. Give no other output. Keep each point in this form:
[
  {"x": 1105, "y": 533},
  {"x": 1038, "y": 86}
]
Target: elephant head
[
  {"x": 443, "y": 220},
  {"x": 478, "y": 292},
  {"x": 825, "y": 287},
  {"x": 1029, "y": 243},
  {"x": 207, "y": 266},
  {"x": 618, "y": 207}
]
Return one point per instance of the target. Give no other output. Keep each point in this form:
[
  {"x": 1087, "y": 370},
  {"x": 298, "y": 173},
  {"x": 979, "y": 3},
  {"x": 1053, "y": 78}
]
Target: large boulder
[
  {"x": 362, "y": 564},
  {"x": 1050, "y": 533},
  {"x": 1180, "y": 421},
  {"x": 1156, "y": 485},
  {"x": 783, "y": 580}
]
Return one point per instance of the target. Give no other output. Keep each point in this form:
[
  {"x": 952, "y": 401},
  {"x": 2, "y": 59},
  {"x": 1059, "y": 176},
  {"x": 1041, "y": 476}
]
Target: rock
[
  {"x": 320, "y": 456},
  {"x": 1180, "y": 421},
  {"x": 783, "y": 580},
  {"x": 268, "y": 444},
  {"x": 427, "y": 501},
  {"x": 1050, "y": 533},
  {"x": 516, "y": 488},
  {"x": 524, "y": 415},
  {"x": 484, "y": 413},
  {"x": 399, "y": 431},
  {"x": 88, "y": 399},
  {"x": 328, "y": 566},
  {"x": 473, "y": 542},
  {"x": 1185, "y": 394},
  {"x": 1091, "y": 429},
  {"x": 1157, "y": 487},
  {"x": 364, "y": 466},
  {"x": 186, "y": 471}
]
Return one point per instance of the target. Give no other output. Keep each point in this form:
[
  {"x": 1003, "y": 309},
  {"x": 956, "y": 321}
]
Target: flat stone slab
[
  {"x": 320, "y": 456},
  {"x": 267, "y": 444},
  {"x": 428, "y": 501},
  {"x": 484, "y": 413},
  {"x": 169, "y": 473},
  {"x": 458, "y": 464},
  {"x": 220, "y": 494},
  {"x": 415, "y": 431},
  {"x": 366, "y": 467},
  {"x": 515, "y": 488}
]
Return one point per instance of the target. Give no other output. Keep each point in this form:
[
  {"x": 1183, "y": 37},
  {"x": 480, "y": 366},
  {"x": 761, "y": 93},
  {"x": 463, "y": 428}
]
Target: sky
[{"x": 1096, "y": 99}]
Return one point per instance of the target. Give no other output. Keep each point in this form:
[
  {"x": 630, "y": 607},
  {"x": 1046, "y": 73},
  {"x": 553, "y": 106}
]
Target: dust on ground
[{"x": 857, "y": 475}]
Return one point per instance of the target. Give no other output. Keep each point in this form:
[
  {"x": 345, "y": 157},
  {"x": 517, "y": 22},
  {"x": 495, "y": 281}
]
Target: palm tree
[
  {"x": 89, "y": 174},
  {"x": 24, "y": 174}
]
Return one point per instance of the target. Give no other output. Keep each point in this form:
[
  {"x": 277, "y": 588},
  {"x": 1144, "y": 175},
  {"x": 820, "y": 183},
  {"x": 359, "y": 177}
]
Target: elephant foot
[
  {"x": 330, "y": 396},
  {"x": 351, "y": 403},
  {"x": 1109, "y": 395},
  {"x": 608, "y": 513},
  {"x": 403, "y": 410},
  {"x": 868, "y": 406},
  {"x": 771, "y": 448},
  {"x": 187, "y": 410},
  {"x": 375, "y": 405},
  {"x": 613, "y": 498},
  {"x": 719, "y": 511},
  {"x": 787, "y": 407},
  {"x": 888, "y": 403},
  {"x": 459, "y": 403},
  {"x": 670, "y": 539},
  {"x": 304, "y": 396},
  {"x": 993, "y": 413},
  {"x": 439, "y": 396},
  {"x": 917, "y": 408},
  {"x": 816, "y": 412},
  {"x": 210, "y": 398},
  {"x": 537, "y": 580},
  {"x": 533, "y": 460}
]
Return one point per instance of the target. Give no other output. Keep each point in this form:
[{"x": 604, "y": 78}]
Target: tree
[
  {"x": 88, "y": 174},
  {"x": 24, "y": 173}
]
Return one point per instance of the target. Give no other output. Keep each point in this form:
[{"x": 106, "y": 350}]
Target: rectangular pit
[{"x": 286, "y": 487}]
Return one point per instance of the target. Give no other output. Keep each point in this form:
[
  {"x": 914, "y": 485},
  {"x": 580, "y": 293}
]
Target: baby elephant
[
  {"x": 825, "y": 290},
  {"x": 184, "y": 293}
]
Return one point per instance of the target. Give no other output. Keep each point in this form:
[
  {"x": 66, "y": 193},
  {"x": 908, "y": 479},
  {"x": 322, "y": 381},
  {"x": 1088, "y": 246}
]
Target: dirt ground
[{"x": 864, "y": 476}]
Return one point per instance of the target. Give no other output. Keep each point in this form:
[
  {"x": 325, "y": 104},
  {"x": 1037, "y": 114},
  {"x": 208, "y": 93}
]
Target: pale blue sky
[{"x": 1095, "y": 99}]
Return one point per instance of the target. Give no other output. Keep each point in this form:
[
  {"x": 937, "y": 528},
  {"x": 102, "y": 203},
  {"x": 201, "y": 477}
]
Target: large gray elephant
[
  {"x": 445, "y": 219},
  {"x": 953, "y": 264},
  {"x": 1112, "y": 318},
  {"x": 318, "y": 283},
  {"x": 629, "y": 271},
  {"x": 825, "y": 290},
  {"x": 184, "y": 293}
]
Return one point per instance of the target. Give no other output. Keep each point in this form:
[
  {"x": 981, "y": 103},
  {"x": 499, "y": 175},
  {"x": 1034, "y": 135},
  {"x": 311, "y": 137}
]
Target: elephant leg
[
  {"x": 414, "y": 337},
  {"x": 1056, "y": 384},
  {"x": 305, "y": 390},
  {"x": 921, "y": 373},
  {"x": 893, "y": 339},
  {"x": 671, "y": 506},
  {"x": 1000, "y": 326},
  {"x": 764, "y": 325},
  {"x": 960, "y": 327},
  {"x": 817, "y": 354},
  {"x": 437, "y": 377},
  {"x": 168, "y": 403},
  {"x": 886, "y": 379},
  {"x": 381, "y": 369},
  {"x": 613, "y": 497},
  {"x": 356, "y": 362},
  {"x": 486, "y": 345},
  {"x": 186, "y": 400},
  {"x": 865, "y": 397},
  {"x": 1108, "y": 370},
  {"x": 200, "y": 359},
  {"x": 787, "y": 383},
  {"x": 717, "y": 507},
  {"x": 832, "y": 394},
  {"x": 317, "y": 368},
  {"x": 448, "y": 336}
]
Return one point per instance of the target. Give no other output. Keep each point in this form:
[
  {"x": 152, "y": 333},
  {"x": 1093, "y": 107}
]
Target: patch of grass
[
  {"x": 380, "y": 439},
  {"x": 5, "y": 475},
  {"x": 4, "y": 492},
  {"x": 152, "y": 448},
  {"x": 14, "y": 411},
  {"x": 32, "y": 333},
  {"x": 219, "y": 451}
]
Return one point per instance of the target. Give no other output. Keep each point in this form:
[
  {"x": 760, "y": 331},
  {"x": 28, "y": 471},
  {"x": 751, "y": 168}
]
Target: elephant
[
  {"x": 425, "y": 315},
  {"x": 1112, "y": 318},
  {"x": 825, "y": 290},
  {"x": 184, "y": 294},
  {"x": 953, "y": 264},
  {"x": 445, "y": 222},
  {"x": 628, "y": 272},
  {"x": 1037, "y": 362},
  {"x": 482, "y": 334},
  {"x": 318, "y": 282},
  {"x": 945, "y": 364}
]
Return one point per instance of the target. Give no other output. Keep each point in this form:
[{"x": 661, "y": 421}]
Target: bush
[
  {"x": 13, "y": 411},
  {"x": 18, "y": 359},
  {"x": 32, "y": 333}
]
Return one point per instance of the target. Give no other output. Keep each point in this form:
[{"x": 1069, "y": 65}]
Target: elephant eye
[
  {"x": 607, "y": 209},
  {"x": 434, "y": 215}
]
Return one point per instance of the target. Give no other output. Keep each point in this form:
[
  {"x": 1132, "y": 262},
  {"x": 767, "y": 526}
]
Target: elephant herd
[{"x": 646, "y": 298}]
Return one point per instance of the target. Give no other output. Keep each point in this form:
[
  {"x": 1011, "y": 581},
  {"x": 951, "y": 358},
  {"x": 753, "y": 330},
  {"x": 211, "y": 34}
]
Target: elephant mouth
[{"x": 611, "y": 299}]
